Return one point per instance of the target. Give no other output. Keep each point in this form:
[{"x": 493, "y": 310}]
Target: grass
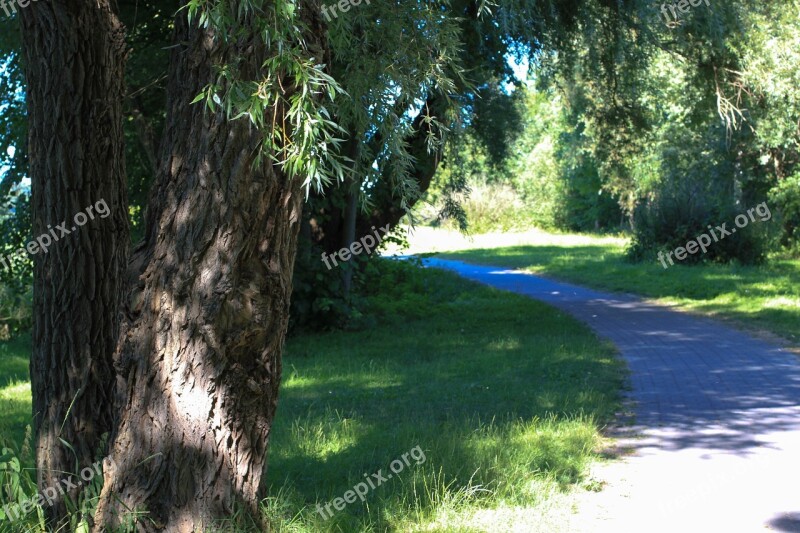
[
  {"x": 15, "y": 390},
  {"x": 763, "y": 298},
  {"x": 504, "y": 396}
]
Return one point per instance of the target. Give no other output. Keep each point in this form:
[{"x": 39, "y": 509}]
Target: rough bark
[
  {"x": 74, "y": 54},
  {"x": 200, "y": 354}
]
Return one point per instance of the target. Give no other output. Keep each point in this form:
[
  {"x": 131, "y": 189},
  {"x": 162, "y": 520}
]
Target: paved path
[{"x": 717, "y": 417}]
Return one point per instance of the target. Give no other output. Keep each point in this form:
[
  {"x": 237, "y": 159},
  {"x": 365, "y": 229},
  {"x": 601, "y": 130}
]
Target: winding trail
[{"x": 716, "y": 442}]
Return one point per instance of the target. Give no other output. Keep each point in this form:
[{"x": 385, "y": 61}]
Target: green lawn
[
  {"x": 763, "y": 298},
  {"x": 505, "y": 397},
  {"x": 15, "y": 390}
]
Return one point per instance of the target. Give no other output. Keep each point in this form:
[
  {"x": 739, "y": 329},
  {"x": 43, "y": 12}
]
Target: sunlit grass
[
  {"x": 15, "y": 389},
  {"x": 763, "y": 297},
  {"x": 505, "y": 396}
]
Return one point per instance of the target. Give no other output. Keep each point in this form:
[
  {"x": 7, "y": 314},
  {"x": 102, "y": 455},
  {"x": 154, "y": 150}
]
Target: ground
[
  {"x": 512, "y": 415},
  {"x": 508, "y": 416}
]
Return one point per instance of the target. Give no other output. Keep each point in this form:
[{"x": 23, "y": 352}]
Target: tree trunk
[
  {"x": 74, "y": 54},
  {"x": 387, "y": 207},
  {"x": 200, "y": 356},
  {"x": 351, "y": 212}
]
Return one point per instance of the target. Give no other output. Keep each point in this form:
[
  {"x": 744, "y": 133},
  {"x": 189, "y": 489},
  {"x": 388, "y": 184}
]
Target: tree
[
  {"x": 206, "y": 295},
  {"x": 74, "y": 55},
  {"x": 200, "y": 353}
]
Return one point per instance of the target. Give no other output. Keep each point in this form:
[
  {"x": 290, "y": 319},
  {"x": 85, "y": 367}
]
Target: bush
[
  {"x": 16, "y": 278},
  {"x": 318, "y": 301},
  {"x": 496, "y": 207},
  {"x": 786, "y": 198},
  {"x": 670, "y": 221},
  {"x": 16, "y": 302}
]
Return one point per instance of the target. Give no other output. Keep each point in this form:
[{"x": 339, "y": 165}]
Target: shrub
[
  {"x": 670, "y": 221},
  {"x": 786, "y": 198},
  {"x": 496, "y": 207},
  {"x": 16, "y": 302},
  {"x": 318, "y": 300}
]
